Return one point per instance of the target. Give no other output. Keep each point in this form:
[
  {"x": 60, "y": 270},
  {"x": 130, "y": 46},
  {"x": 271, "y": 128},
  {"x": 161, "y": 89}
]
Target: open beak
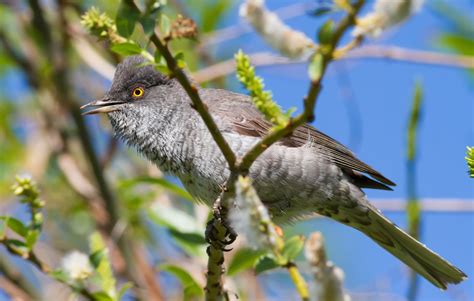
[{"x": 103, "y": 105}]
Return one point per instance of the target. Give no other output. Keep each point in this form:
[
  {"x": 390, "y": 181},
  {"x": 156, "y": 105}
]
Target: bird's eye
[{"x": 138, "y": 92}]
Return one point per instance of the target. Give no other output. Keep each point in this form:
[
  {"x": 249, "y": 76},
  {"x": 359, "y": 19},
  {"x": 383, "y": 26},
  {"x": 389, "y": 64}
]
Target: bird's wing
[{"x": 240, "y": 115}]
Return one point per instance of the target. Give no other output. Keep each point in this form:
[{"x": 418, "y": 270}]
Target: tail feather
[{"x": 413, "y": 253}]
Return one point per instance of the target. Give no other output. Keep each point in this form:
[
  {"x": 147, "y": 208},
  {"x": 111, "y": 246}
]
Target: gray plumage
[{"x": 304, "y": 173}]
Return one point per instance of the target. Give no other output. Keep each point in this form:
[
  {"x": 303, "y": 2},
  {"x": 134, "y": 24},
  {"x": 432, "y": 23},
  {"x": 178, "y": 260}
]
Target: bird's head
[{"x": 135, "y": 85}]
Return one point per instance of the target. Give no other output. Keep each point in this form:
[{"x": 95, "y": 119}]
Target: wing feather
[{"x": 239, "y": 115}]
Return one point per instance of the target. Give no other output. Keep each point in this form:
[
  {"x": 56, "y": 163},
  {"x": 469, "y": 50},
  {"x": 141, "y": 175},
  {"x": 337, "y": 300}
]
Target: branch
[
  {"x": 310, "y": 100},
  {"x": 388, "y": 52},
  {"x": 428, "y": 205},
  {"x": 198, "y": 104},
  {"x": 14, "y": 290},
  {"x": 411, "y": 56},
  {"x": 16, "y": 278}
]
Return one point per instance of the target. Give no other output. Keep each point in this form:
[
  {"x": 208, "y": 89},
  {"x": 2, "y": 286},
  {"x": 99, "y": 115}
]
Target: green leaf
[
  {"x": 191, "y": 243},
  {"x": 103, "y": 266},
  {"x": 321, "y": 11},
  {"x": 266, "y": 263},
  {"x": 3, "y": 226},
  {"x": 31, "y": 238},
  {"x": 127, "y": 48},
  {"x": 243, "y": 259},
  {"x": 460, "y": 44},
  {"x": 59, "y": 275},
  {"x": 102, "y": 296},
  {"x": 16, "y": 225},
  {"x": 123, "y": 289},
  {"x": 179, "y": 58},
  {"x": 212, "y": 13},
  {"x": 175, "y": 219},
  {"x": 96, "y": 257},
  {"x": 293, "y": 247},
  {"x": 315, "y": 69},
  {"x": 148, "y": 20},
  {"x": 326, "y": 32},
  {"x": 158, "y": 181},
  {"x": 19, "y": 246},
  {"x": 185, "y": 229},
  {"x": 165, "y": 25},
  {"x": 190, "y": 285},
  {"x": 127, "y": 17}
]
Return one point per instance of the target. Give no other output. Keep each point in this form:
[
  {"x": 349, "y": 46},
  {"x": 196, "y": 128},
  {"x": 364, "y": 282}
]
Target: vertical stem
[
  {"x": 298, "y": 280},
  {"x": 413, "y": 206},
  {"x": 214, "y": 285}
]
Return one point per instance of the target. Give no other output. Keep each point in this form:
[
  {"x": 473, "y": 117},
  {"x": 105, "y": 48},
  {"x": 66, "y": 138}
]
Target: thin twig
[
  {"x": 43, "y": 267},
  {"x": 198, "y": 104},
  {"x": 298, "y": 280},
  {"x": 387, "y": 52},
  {"x": 427, "y": 205},
  {"x": 17, "y": 278},
  {"x": 309, "y": 101},
  {"x": 14, "y": 290},
  {"x": 412, "y": 56}
]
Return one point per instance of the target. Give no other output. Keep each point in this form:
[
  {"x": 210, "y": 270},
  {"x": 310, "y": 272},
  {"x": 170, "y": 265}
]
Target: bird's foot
[{"x": 219, "y": 234}]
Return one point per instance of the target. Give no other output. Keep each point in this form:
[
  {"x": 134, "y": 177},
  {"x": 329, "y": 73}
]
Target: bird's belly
[{"x": 292, "y": 183}]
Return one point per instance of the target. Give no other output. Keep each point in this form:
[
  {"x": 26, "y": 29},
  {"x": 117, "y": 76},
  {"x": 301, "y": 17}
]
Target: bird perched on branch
[{"x": 306, "y": 172}]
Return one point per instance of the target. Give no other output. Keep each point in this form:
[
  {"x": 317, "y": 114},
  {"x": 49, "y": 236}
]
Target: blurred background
[{"x": 49, "y": 66}]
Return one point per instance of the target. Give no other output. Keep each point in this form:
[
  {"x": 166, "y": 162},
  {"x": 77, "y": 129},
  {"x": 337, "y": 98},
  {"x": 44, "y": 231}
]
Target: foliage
[
  {"x": 470, "y": 160},
  {"x": 262, "y": 99}
]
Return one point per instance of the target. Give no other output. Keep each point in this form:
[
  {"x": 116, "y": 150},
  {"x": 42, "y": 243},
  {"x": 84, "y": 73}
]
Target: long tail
[{"x": 413, "y": 253}]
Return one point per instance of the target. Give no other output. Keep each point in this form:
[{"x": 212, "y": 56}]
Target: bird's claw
[{"x": 212, "y": 239}]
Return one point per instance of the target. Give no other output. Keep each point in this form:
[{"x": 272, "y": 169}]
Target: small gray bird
[{"x": 304, "y": 173}]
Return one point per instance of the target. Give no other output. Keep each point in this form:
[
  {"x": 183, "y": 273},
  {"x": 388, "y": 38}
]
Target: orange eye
[{"x": 138, "y": 92}]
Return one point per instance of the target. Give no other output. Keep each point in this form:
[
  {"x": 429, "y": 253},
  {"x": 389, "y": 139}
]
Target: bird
[{"x": 304, "y": 173}]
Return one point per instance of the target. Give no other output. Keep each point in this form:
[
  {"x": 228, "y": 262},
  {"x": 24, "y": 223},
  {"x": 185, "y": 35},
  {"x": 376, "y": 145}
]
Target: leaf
[
  {"x": 315, "y": 69},
  {"x": 293, "y": 247},
  {"x": 191, "y": 243},
  {"x": 96, "y": 257},
  {"x": 127, "y": 17},
  {"x": 326, "y": 32},
  {"x": 321, "y": 11},
  {"x": 148, "y": 20},
  {"x": 458, "y": 43},
  {"x": 161, "y": 182},
  {"x": 102, "y": 296},
  {"x": 179, "y": 58},
  {"x": 212, "y": 13},
  {"x": 184, "y": 228},
  {"x": 59, "y": 275},
  {"x": 3, "y": 227},
  {"x": 190, "y": 286},
  {"x": 32, "y": 238},
  {"x": 243, "y": 259},
  {"x": 266, "y": 263},
  {"x": 165, "y": 25},
  {"x": 103, "y": 267},
  {"x": 16, "y": 225},
  {"x": 126, "y": 49},
  {"x": 18, "y": 246},
  {"x": 123, "y": 289}
]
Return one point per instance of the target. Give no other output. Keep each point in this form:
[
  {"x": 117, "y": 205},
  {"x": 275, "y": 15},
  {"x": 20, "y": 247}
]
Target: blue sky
[{"x": 382, "y": 91}]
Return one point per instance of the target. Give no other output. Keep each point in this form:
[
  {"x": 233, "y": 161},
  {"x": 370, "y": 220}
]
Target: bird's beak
[{"x": 104, "y": 105}]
